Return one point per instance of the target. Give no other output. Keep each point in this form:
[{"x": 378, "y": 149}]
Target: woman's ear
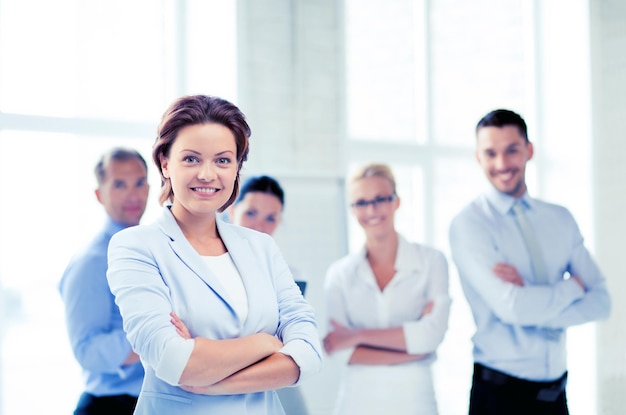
[
  {"x": 164, "y": 164},
  {"x": 397, "y": 202}
]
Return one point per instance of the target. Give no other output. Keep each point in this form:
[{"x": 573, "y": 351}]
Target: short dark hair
[
  {"x": 501, "y": 118},
  {"x": 197, "y": 110},
  {"x": 116, "y": 154},
  {"x": 262, "y": 184}
]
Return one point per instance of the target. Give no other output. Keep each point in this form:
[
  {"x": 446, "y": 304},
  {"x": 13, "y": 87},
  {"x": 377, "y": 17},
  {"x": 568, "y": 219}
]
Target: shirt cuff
[
  {"x": 305, "y": 357},
  {"x": 575, "y": 290},
  {"x": 414, "y": 342},
  {"x": 174, "y": 360}
]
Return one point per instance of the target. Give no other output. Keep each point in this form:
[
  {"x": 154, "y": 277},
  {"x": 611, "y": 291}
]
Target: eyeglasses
[{"x": 362, "y": 204}]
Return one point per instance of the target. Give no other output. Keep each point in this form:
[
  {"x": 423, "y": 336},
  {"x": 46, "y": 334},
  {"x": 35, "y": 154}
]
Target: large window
[
  {"x": 419, "y": 75},
  {"x": 77, "y": 78}
]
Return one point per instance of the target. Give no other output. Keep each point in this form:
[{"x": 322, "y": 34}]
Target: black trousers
[
  {"x": 496, "y": 393},
  {"x": 105, "y": 405}
]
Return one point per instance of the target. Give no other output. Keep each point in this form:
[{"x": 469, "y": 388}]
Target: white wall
[{"x": 608, "y": 43}]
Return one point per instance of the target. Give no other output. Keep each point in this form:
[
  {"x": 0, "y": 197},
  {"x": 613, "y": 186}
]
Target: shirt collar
[
  {"x": 406, "y": 260},
  {"x": 111, "y": 227},
  {"x": 503, "y": 202}
]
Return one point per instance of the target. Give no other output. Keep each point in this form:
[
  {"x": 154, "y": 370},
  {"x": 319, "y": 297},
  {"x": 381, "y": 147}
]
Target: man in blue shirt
[
  {"x": 521, "y": 301},
  {"x": 112, "y": 371}
]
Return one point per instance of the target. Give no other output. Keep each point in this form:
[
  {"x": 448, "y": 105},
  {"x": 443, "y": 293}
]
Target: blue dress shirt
[
  {"x": 511, "y": 320},
  {"x": 94, "y": 323}
]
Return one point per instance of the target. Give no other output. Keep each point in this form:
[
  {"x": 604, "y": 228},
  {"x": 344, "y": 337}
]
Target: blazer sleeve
[
  {"x": 144, "y": 302},
  {"x": 297, "y": 323}
]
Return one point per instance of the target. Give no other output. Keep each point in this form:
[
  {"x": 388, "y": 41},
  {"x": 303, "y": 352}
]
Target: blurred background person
[
  {"x": 527, "y": 276},
  {"x": 259, "y": 206},
  {"x": 111, "y": 370},
  {"x": 388, "y": 308}
]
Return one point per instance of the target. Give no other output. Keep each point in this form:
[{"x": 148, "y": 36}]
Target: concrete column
[
  {"x": 290, "y": 86},
  {"x": 608, "y": 68}
]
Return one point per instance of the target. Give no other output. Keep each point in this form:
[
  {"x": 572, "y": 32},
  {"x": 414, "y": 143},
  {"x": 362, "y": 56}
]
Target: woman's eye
[
  {"x": 270, "y": 219},
  {"x": 250, "y": 213},
  {"x": 223, "y": 160},
  {"x": 190, "y": 159}
]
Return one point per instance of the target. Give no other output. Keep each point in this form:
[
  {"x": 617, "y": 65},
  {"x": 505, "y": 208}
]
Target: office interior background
[{"x": 326, "y": 85}]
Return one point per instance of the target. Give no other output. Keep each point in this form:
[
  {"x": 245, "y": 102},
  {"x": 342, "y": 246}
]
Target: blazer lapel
[
  {"x": 258, "y": 286},
  {"x": 189, "y": 256}
]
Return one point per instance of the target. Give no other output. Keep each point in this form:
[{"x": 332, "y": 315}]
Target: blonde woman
[{"x": 388, "y": 308}]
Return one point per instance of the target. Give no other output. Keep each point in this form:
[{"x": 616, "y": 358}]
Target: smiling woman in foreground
[{"x": 251, "y": 330}]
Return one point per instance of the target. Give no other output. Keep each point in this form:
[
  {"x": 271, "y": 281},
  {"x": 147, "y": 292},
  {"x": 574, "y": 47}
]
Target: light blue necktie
[
  {"x": 536, "y": 257},
  {"x": 532, "y": 245}
]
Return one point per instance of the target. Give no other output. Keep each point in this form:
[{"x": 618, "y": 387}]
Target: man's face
[
  {"x": 124, "y": 191},
  {"x": 502, "y": 153}
]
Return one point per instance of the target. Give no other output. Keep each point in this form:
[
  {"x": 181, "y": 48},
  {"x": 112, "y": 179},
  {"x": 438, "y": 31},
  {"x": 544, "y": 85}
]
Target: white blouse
[
  {"x": 224, "y": 267},
  {"x": 354, "y": 299}
]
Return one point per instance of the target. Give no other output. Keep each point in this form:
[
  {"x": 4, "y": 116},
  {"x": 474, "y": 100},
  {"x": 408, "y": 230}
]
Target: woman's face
[
  {"x": 202, "y": 168},
  {"x": 259, "y": 211},
  {"x": 374, "y": 205}
]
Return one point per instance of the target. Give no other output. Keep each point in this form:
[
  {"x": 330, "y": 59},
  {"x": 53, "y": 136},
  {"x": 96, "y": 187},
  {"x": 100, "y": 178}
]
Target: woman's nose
[{"x": 206, "y": 172}]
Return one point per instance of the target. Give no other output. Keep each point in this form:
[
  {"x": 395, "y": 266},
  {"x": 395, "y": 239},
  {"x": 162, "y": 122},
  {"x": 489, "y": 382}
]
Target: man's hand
[
  {"x": 508, "y": 273},
  {"x": 579, "y": 281}
]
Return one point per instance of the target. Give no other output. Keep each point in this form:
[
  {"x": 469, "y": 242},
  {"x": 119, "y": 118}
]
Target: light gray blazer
[{"x": 154, "y": 270}]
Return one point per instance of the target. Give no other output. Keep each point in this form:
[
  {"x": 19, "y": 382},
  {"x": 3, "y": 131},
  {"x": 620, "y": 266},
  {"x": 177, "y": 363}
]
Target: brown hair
[{"x": 194, "y": 110}]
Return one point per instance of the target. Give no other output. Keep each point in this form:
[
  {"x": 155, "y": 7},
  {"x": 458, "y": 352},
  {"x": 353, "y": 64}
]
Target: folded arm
[
  {"x": 96, "y": 334},
  {"x": 272, "y": 371},
  {"x": 214, "y": 360},
  {"x": 596, "y": 303},
  {"x": 480, "y": 266},
  {"x": 372, "y": 346}
]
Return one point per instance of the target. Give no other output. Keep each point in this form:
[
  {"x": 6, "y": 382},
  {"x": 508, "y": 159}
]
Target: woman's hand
[
  {"x": 341, "y": 337},
  {"x": 428, "y": 308},
  {"x": 181, "y": 329},
  {"x": 265, "y": 344},
  {"x": 266, "y": 341}
]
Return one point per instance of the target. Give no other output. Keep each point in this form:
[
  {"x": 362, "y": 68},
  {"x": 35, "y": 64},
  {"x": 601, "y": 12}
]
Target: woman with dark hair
[
  {"x": 247, "y": 328},
  {"x": 259, "y": 205}
]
